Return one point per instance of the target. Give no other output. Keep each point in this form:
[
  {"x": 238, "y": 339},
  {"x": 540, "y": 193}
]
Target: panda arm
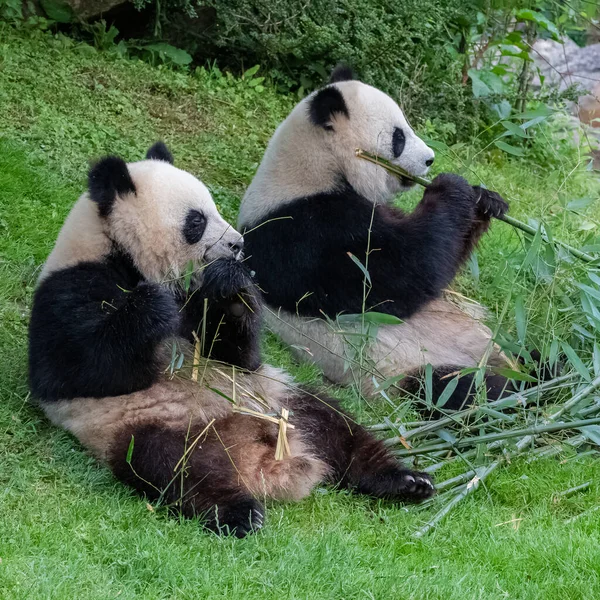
[
  {"x": 94, "y": 332},
  {"x": 301, "y": 252},
  {"x": 226, "y": 309},
  {"x": 416, "y": 256}
]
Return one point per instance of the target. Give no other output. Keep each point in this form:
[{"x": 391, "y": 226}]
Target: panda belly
[
  {"x": 185, "y": 409},
  {"x": 174, "y": 401},
  {"x": 441, "y": 334}
]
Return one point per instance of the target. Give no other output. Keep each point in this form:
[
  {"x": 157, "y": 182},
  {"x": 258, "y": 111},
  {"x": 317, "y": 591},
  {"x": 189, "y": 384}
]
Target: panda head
[
  {"x": 160, "y": 216},
  {"x": 313, "y": 150}
]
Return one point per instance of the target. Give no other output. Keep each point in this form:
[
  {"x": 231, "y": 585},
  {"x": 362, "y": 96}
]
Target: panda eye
[
  {"x": 195, "y": 224},
  {"x": 398, "y": 141}
]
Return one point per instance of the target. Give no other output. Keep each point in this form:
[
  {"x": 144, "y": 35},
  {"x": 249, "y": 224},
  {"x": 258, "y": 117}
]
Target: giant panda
[
  {"x": 155, "y": 367},
  {"x": 314, "y": 208}
]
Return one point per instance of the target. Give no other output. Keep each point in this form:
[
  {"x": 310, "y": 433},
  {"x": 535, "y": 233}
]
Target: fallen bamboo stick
[{"x": 504, "y": 435}]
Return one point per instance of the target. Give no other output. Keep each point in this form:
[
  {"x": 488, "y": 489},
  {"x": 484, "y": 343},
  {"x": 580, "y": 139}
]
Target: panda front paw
[
  {"x": 490, "y": 203},
  {"x": 229, "y": 283},
  {"x": 225, "y": 278}
]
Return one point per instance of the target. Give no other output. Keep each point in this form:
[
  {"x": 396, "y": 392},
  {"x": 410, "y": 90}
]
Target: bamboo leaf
[
  {"x": 130, "y": 451},
  {"x": 384, "y": 385},
  {"x": 512, "y": 374},
  {"x": 553, "y": 354},
  {"x": 360, "y": 266},
  {"x": 589, "y": 290},
  {"x": 448, "y": 391},
  {"x": 576, "y": 361},
  {"x": 580, "y": 203},
  {"x": 428, "y": 384},
  {"x": 509, "y": 149},
  {"x": 542, "y": 111},
  {"x": 189, "y": 271},
  {"x": 520, "y": 318},
  {"x": 534, "y": 249},
  {"x": 514, "y": 129},
  {"x": 378, "y": 318},
  {"x": 594, "y": 278},
  {"x": 445, "y": 435},
  {"x": 592, "y": 433}
]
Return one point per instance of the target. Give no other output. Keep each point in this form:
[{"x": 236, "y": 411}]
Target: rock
[{"x": 566, "y": 64}]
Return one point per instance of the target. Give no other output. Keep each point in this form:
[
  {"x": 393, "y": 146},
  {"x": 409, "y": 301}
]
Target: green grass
[{"x": 68, "y": 530}]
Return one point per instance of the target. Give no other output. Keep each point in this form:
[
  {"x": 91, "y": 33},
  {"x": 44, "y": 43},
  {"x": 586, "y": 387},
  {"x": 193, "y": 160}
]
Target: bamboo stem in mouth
[{"x": 400, "y": 172}]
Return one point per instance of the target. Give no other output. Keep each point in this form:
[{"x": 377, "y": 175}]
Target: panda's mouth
[{"x": 406, "y": 182}]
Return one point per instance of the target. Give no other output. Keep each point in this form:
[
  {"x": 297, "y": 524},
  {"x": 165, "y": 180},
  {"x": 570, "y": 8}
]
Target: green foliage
[
  {"x": 70, "y": 531},
  {"x": 401, "y": 47},
  {"x": 11, "y": 10}
]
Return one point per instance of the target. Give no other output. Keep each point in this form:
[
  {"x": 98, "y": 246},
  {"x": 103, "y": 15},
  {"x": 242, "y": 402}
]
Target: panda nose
[
  {"x": 237, "y": 247},
  {"x": 429, "y": 162}
]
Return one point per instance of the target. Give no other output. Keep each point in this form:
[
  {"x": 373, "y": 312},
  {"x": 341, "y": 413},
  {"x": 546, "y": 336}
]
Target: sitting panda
[
  {"x": 115, "y": 303},
  {"x": 313, "y": 208}
]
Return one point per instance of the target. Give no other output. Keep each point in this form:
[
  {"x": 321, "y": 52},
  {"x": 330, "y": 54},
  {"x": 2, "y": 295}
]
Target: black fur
[
  {"x": 108, "y": 178},
  {"x": 413, "y": 257},
  {"x": 341, "y": 72},
  {"x": 233, "y": 314},
  {"x": 398, "y": 142},
  {"x": 95, "y": 327},
  {"x": 159, "y": 151},
  {"x": 324, "y": 104},
  {"x": 194, "y": 227},
  {"x": 94, "y": 330},
  {"x": 206, "y": 486},
  {"x": 358, "y": 460}
]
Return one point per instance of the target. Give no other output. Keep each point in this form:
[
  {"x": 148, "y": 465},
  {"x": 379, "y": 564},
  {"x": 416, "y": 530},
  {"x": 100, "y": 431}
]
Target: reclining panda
[
  {"x": 111, "y": 310},
  {"x": 313, "y": 206}
]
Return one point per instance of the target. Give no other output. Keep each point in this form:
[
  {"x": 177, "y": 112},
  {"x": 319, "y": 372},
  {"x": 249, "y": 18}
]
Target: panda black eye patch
[
  {"x": 398, "y": 141},
  {"x": 195, "y": 224}
]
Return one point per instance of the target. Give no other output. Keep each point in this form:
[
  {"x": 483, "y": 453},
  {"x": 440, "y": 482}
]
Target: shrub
[{"x": 404, "y": 48}]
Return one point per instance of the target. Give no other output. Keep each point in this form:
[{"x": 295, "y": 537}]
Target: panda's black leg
[
  {"x": 194, "y": 479},
  {"x": 357, "y": 459},
  {"x": 464, "y": 394}
]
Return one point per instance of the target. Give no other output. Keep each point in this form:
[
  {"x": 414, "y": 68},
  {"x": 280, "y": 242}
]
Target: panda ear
[
  {"x": 324, "y": 104},
  {"x": 108, "y": 178},
  {"x": 341, "y": 72},
  {"x": 159, "y": 151}
]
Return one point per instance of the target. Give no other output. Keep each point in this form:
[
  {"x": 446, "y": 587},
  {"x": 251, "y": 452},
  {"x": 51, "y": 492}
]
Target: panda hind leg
[
  {"x": 356, "y": 459},
  {"x": 464, "y": 394},
  {"x": 192, "y": 479}
]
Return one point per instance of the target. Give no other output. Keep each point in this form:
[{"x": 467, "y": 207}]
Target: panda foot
[
  {"x": 397, "y": 483},
  {"x": 238, "y": 519},
  {"x": 412, "y": 486}
]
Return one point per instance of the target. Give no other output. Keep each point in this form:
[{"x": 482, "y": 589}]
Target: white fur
[
  {"x": 304, "y": 159},
  {"x": 148, "y": 224},
  {"x": 440, "y": 334}
]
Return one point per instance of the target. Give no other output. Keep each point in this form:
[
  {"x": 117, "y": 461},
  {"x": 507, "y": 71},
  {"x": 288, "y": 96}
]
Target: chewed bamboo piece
[{"x": 400, "y": 172}]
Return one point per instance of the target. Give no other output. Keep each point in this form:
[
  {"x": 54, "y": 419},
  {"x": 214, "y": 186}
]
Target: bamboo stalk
[
  {"x": 585, "y": 513},
  {"x": 510, "y": 401},
  {"x": 400, "y": 172},
  {"x": 493, "y": 437},
  {"x": 574, "y": 490},
  {"x": 576, "y": 399}
]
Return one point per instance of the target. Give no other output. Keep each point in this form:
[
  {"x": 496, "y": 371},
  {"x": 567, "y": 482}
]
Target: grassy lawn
[{"x": 68, "y": 530}]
